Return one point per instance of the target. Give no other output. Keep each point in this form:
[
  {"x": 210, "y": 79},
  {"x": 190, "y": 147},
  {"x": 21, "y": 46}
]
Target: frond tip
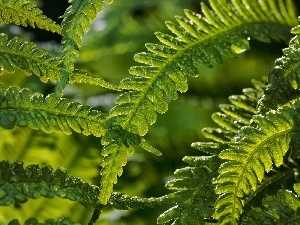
[
  {"x": 24, "y": 12},
  {"x": 251, "y": 154}
]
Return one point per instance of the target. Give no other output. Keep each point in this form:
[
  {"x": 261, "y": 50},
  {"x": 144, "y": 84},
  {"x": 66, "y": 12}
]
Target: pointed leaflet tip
[{"x": 146, "y": 146}]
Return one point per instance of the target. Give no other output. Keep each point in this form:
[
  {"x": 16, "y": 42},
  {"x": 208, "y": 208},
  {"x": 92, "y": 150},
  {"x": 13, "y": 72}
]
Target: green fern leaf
[
  {"x": 168, "y": 64},
  {"x": 115, "y": 153},
  {"x": 202, "y": 39},
  {"x": 282, "y": 208},
  {"x": 16, "y": 53},
  {"x": 77, "y": 19},
  {"x": 73, "y": 152},
  {"x": 283, "y": 80},
  {"x": 253, "y": 152},
  {"x": 17, "y": 184},
  {"x": 115, "y": 157},
  {"x": 23, "y": 12},
  {"x": 50, "y": 114},
  {"x": 34, "y": 221},
  {"x": 193, "y": 191}
]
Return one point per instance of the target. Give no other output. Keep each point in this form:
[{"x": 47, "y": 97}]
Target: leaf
[
  {"x": 282, "y": 208},
  {"x": 23, "y": 12},
  {"x": 115, "y": 157},
  {"x": 203, "y": 39},
  {"x": 17, "y": 53},
  {"x": 50, "y": 114},
  {"x": 198, "y": 39},
  {"x": 283, "y": 80},
  {"x": 193, "y": 191},
  {"x": 76, "y": 20},
  {"x": 17, "y": 184},
  {"x": 252, "y": 153}
]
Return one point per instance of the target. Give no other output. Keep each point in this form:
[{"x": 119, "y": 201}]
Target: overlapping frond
[
  {"x": 76, "y": 20},
  {"x": 193, "y": 191},
  {"x": 51, "y": 114},
  {"x": 284, "y": 78},
  {"x": 115, "y": 157},
  {"x": 19, "y": 184},
  {"x": 222, "y": 30},
  {"x": 282, "y": 208},
  {"x": 16, "y": 53},
  {"x": 252, "y": 153},
  {"x": 193, "y": 184},
  {"x": 73, "y": 152},
  {"x": 199, "y": 39},
  {"x": 34, "y": 221},
  {"x": 23, "y": 12},
  {"x": 231, "y": 118}
]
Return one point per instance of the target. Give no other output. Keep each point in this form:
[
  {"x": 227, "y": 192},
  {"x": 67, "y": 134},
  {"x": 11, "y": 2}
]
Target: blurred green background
[{"x": 119, "y": 32}]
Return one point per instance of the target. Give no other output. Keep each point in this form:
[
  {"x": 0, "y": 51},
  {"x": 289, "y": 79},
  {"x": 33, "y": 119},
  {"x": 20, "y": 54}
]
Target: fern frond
[
  {"x": 121, "y": 201},
  {"x": 77, "y": 19},
  {"x": 51, "y": 114},
  {"x": 251, "y": 153},
  {"x": 77, "y": 153},
  {"x": 23, "y": 12},
  {"x": 18, "y": 184},
  {"x": 34, "y": 221},
  {"x": 16, "y": 53},
  {"x": 224, "y": 30},
  {"x": 284, "y": 78},
  {"x": 199, "y": 39},
  {"x": 282, "y": 208},
  {"x": 193, "y": 191},
  {"x": 115, "y": 157}
]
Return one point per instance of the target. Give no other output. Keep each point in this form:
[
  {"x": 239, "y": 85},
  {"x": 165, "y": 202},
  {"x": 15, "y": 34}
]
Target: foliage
[{"x": 247, "y": 173}]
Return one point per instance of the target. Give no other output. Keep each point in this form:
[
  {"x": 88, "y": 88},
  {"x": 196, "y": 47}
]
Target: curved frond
[
  {"x": 222, "y": 30},
  {"x": 193, "y": 191},
  {"x": 76, "y": 20},
  {"x": 23, "y": 12},
  {"x": 115, "y": 157},
  {"x": 193, "y": 184},
  {"x": 282, "y": 208},
  {"x": 198, "y": 39},
  {"x": 51, "y": 114},
  {"x": 18, "y": 184},
  {"x": 284, "y": 78},
  {"x": 251, "y": 154},
  {"x": 16, "y": 53}
]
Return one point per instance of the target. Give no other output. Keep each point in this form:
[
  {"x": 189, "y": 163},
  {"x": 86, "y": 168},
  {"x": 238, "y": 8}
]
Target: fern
[
  {"x": 251, "y": 155},
  {"x": 193, "y": 188},
  {"x": 23, "y": 12},
  {"x": 199, "y": 39},
  {"x": 282, "y": 208},
  {"x": 24, "y": 55},
  {"x": 251, "y": 137},
  {"x": 194, "y": 193},
  {"x": 77, "y": 18},
  {"x": 283, "y": 80},
  {"x": 18, "y": 184},
  {"x": 50, "y": 114}
]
